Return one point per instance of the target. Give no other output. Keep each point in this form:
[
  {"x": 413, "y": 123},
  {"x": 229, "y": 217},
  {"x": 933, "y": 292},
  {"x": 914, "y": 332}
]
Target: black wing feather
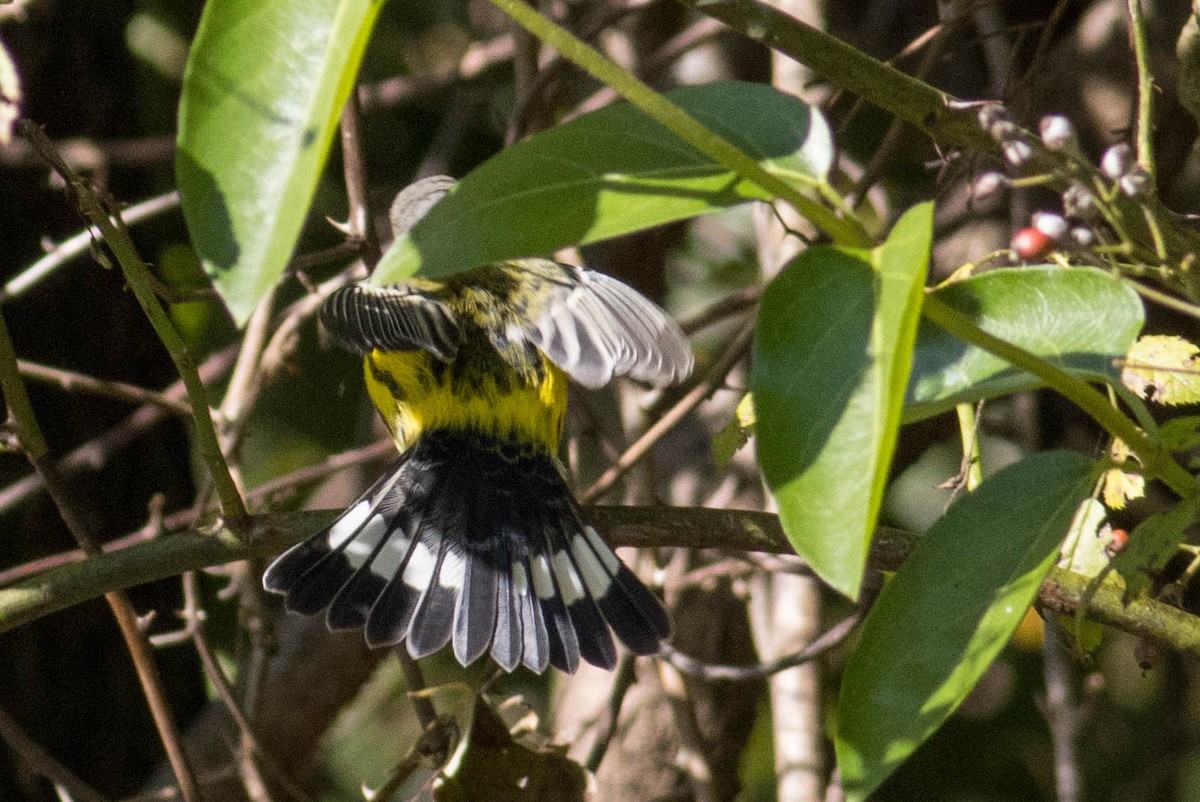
[{"x": 400, "y": 317}]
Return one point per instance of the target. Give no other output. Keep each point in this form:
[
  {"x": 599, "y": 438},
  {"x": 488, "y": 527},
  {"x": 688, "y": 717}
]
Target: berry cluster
[{"x": 1087, "y": 221}]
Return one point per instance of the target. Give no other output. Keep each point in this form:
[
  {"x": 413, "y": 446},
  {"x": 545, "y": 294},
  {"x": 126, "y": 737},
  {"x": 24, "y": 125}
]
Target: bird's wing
[
  {"x": 594, "y": 328},
  {"x": 397, "y": 318}
]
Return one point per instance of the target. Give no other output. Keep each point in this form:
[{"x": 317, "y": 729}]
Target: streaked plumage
[{"x": 473, "y": 538}]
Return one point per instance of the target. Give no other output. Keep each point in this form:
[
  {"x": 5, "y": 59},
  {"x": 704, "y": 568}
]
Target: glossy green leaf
[
  {"x": 943, "y": 618},
  {"x": 264, "y": 86},
  {"x": 1081, "y": 319},
  {"x": 831, "y": 361},
  {"x": 607, "y": 173}
]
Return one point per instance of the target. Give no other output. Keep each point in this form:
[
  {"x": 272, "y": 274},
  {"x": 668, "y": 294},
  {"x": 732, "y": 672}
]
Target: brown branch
[
  {"x": 95, "y": 453},
  {"x": 687, "y": 527},
  {"x": 71, "y": 381},
  {"x": 116, "y": 237},
  {"x": 712, "y": 381},
  {"x": 38, "y": 761},
  {"x": 80, "y": 527}
]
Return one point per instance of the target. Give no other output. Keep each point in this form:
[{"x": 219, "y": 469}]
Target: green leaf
[
  {"x": 607, "y": 173},
  {"x": 831, "y": 360},
  {"x": 1180, "y": 434},
  {"x": 1152, "y": 543},
  {"x": 1081, "y": 319},
  {"x": 948, "y": 612},
  {"x": 265, "y": 83},
  {"x": 1187, "y": 49}
]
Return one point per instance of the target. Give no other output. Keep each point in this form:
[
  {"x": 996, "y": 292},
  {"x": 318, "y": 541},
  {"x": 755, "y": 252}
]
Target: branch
[
  {"x": 952, "y": 123},
  {"x": 81, "y": 243},
  {"x": 132, "y": 632},
  {"x": 843, "y": 230},
  {"x": 116, "y": 237},
  {"x": 644, "y": 527}
]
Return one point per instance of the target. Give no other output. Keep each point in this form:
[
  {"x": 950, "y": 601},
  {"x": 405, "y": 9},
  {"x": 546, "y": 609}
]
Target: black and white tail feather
[
  {"x": 480, "y": 546},
  {"x": 467, "y": 538}
]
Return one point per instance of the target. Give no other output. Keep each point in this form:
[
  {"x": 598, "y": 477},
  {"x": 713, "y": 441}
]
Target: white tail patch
[
  {"x": 454, "y": 569},
  {"x": 595, "y": 575},
  {"x": 359, "y": 550},
  {"x": 348, "y": 524},
  {"x": 419, "y": 571},
  {"x": 543, "y": 585},
  {"x": 520, "y": 581},
  {"x": 611, "y": 563},
  {"x": 391, "y": 557},
  {"x": 569, "y": 583}
]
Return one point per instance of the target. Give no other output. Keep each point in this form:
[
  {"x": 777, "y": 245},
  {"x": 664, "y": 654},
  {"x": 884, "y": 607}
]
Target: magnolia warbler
[{"x": 473, "y": 536}]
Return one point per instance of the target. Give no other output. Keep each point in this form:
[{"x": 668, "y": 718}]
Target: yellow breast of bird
[{"x": 479, "y": 391}]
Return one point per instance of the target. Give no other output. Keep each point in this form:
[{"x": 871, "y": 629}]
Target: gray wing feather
[
  {"x": 594, "y": 328},
  {"x": 361, "y": 318}
]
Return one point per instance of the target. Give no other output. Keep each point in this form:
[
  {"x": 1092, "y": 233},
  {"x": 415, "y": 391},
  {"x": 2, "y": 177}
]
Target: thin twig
[
  {"x": 1145, "y": 81},
  {"x": 696, "y": 34},
  {"x": 478, "y": 59},
  {"x": 71, "y": 381},
  {"x": 81, "y": 243},
  {"x": 256, "y": 498},
  {"x": 713, "y": 380},
  {"x": 606, "y": 727},
  {"x": 360, "y": 223},
  {"x": 693, "y": 754},
  {"x": 721, "y": 310},
  {"x": 96, "y": 452},
  {"x": 892, "y": 138},
  {"x": 829, "y": 639},
  {"x": 1062, "y": 715},
  {"x": 135, "y": 639},
  {"x": 194, "y": 618},
  {"x": 136, "y": 274},
  {"x": 38, "y": 761},
  {"x": 414, "y": 680}
]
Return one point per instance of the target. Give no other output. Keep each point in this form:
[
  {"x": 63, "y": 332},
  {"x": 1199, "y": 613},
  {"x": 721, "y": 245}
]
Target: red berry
[
  {"x": 1119, "y": 538},
  {"x": 1030, "y": 243}
]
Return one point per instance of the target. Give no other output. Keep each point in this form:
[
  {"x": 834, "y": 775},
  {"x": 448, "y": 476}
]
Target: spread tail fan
[{"x": 475, "y": 542}]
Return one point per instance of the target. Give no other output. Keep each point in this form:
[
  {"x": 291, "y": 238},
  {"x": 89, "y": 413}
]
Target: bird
[{"x": 473, "y": 537}]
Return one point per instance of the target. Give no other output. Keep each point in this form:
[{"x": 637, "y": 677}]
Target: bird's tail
[{"x": 475, "y": 540}]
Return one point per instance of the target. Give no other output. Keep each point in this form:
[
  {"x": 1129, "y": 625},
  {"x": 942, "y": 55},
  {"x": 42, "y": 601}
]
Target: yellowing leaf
[
  {"x": 736, "y": 433},
  {"x": 1120, "y": 485},
  {"x": 1164, "y": 369}
]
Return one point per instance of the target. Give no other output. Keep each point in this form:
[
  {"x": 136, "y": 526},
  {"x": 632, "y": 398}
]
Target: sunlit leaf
[
  {"x": 611, "y": 172},
  {"x": 950, "y": 609},
  {"x": 831, "y": 360},
  {"x": 736, "y": 433},
  {"x": 264, "y": 86},
  {"x": 1081, "y": 319},
  {"x": 1122, "y": 485}
]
